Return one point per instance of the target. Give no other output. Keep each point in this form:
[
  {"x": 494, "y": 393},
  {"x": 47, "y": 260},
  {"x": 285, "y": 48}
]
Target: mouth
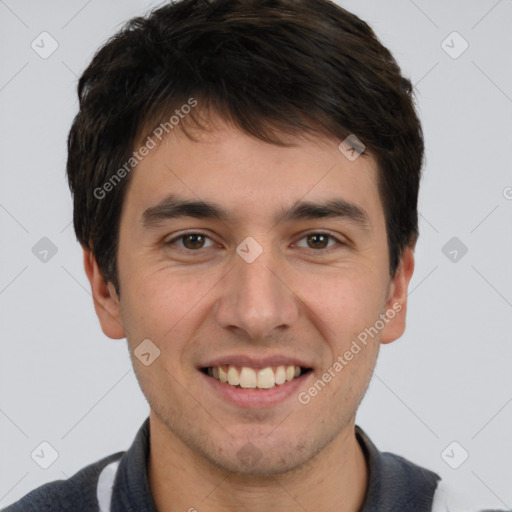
[{"x": 255, "y": 378}]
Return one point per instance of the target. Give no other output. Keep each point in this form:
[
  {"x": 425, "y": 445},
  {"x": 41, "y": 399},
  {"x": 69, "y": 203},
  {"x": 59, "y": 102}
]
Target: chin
[
  {"x": 262, "y": 466},
  {"x": 262, "y": 457}
]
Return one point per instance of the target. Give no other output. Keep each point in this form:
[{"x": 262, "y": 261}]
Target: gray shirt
[{"x": 119, "y": 483}]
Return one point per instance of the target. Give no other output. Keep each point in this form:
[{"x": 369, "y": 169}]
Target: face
[{"x": 249, "y": 287}]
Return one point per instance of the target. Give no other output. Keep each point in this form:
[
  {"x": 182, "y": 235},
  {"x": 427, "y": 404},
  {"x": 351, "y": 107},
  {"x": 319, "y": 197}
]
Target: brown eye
[
  {"x": 320, "y": 241},
  {"x": 193, "y": 241},
  {"x": 190, "y": 241}
]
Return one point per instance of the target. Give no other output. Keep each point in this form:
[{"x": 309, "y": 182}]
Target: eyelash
[{"x": 325, "y": 250}]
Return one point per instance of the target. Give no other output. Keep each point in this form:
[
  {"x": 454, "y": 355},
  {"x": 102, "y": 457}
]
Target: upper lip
[{"x": 255, "y": 362}]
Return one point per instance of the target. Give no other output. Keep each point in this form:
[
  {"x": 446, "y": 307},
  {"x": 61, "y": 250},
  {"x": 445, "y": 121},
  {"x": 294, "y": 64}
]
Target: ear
[
  {"x": 396, "y": 304},
  {"x": 106, "y": 302}
]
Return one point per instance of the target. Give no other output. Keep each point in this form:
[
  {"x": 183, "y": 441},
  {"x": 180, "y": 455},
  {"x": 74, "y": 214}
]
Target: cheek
[
  {"x": 165, "y": 306},
  {"x": 346, "y": 301}
]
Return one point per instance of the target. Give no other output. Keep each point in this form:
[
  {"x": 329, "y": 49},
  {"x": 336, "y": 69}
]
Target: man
[{"x": 245, "y": 178}]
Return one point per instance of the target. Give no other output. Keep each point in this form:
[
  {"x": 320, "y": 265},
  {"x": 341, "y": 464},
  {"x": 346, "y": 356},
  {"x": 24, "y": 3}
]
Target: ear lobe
[
  {"x": 396, "y": 304},
  {"x": 106, "y": 302}
]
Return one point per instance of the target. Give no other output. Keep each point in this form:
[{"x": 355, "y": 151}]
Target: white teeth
[
  {"x": 249, "y": 378},
  {"x": 280, "y": 375},
  {"x": 266, "y": 378},
  {"x": 223, "y": 375},
  {"x": 233, "y": 376}
]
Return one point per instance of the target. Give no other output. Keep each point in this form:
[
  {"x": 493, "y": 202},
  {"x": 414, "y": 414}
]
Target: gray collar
[{"x": 394, "y": 483}]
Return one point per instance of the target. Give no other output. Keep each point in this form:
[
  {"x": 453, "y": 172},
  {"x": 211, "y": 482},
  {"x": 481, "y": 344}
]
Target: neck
[{"x": 335, "y": 480}]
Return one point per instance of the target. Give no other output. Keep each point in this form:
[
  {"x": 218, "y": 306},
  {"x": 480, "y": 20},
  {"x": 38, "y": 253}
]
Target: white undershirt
[{"x": 105, "y": 485}]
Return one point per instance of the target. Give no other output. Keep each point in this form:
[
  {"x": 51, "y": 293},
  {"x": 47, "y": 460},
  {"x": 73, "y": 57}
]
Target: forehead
[{"x": 250, "y": 178}]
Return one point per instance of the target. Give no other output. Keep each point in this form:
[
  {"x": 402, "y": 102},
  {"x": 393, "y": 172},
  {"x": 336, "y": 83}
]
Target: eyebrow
[{"x": 174, "y": 207}]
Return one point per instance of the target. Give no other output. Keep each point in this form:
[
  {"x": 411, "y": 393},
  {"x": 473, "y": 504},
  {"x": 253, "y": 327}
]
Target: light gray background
[{"x": 447, "y": 379}]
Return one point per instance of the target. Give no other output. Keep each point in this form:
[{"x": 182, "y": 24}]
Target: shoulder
[
  {"x": 449, "y": 499},
  {"x": 79, "y": 492},
  {"x": 446, "y": 498},
  {"x": 400, "y": 466}
]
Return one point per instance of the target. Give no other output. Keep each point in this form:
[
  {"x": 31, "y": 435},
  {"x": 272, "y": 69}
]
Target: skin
[{"x": 295, "y": 299}]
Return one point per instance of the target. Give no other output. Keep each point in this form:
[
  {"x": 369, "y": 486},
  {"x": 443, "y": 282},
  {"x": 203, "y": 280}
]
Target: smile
[{"x": 255, "y": 378}]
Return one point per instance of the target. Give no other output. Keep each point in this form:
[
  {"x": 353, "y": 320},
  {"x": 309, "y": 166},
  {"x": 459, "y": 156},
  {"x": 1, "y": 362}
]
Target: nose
[{"x": 256, "y": 298}]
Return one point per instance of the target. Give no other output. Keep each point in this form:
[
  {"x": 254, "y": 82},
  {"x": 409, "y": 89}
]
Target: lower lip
[{"x": 256, "y": 398}]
